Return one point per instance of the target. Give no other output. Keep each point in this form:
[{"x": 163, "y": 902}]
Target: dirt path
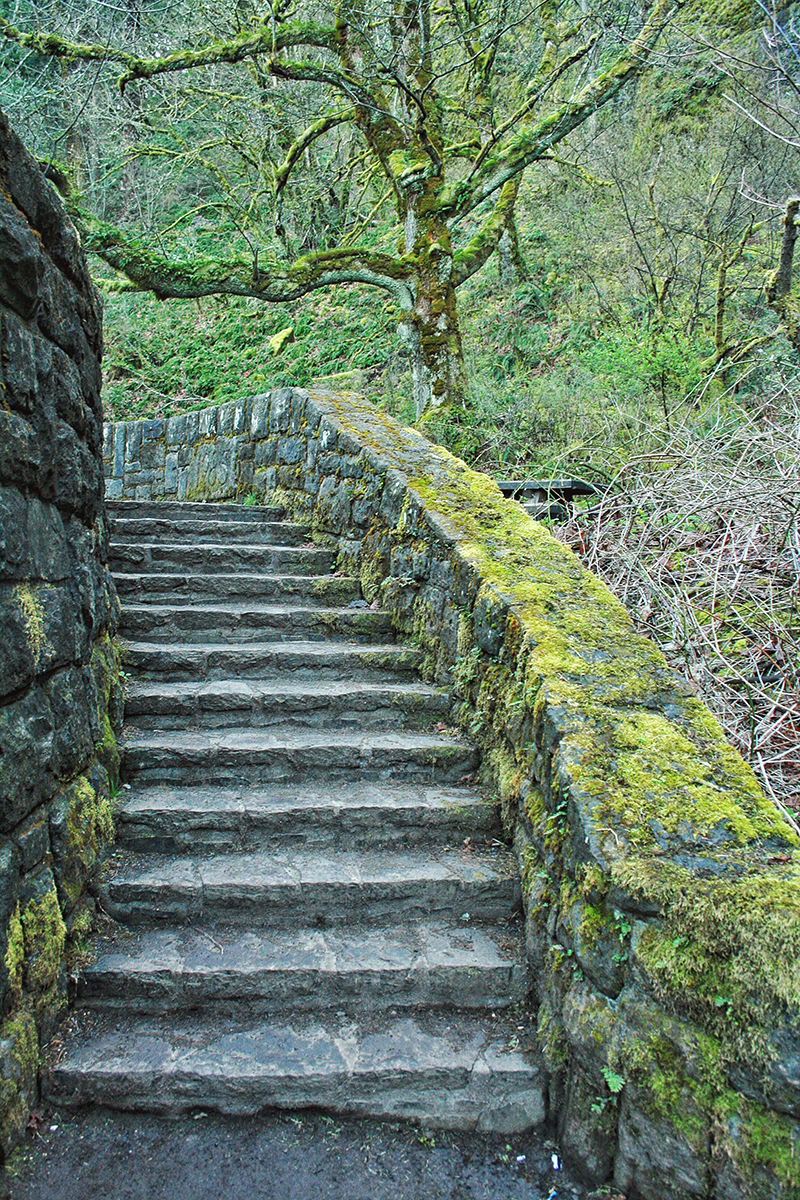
[{"x": 101, "y": 1155}]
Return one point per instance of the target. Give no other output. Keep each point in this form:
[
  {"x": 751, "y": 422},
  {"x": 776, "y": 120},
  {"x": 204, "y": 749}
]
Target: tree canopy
[{"x": 268, "y": 128}]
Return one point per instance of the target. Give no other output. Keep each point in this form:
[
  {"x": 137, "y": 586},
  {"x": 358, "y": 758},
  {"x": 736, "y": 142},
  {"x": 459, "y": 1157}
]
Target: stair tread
[
  {"x": 266, "y": 687},
  {"x": 262, "y": 737},
  {"x": 293, "y": 868},
  {"x": 232, "y": 576},
  {"x": 338, "y": 646},
  {"x": 281, "y": 798},
  {"x": 185, "y": 951},
  {"x": 447, "y": 1067},
  {"x": 180, "y": 510},
  {"x": 239, "y": 607}
]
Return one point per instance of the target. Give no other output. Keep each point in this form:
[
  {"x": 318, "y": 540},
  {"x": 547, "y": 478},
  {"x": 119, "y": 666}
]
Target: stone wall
[
  {"x": 661, "y": 888},
  {"x": 59, "y": 696}
]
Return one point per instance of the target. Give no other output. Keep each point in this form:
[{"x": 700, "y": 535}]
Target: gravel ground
[{"x": 102, "y": 1155}]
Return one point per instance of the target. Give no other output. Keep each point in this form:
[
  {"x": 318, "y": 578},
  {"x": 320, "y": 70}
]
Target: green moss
[
  {"x": 45, "y": 937},
  {"x": 651, "y": 775},
  {"x": 19, "y": 1053},
  {"x": 107, "y": 751},
  {"x": 551, "y": 1038},
  {"x": 15, "y": 953},
  {"x": 89, "y": 822},
  {"x": 728, "y": 951},
  {"x": 759, "y": 1139},
  {"x": 27, "y": 598}
]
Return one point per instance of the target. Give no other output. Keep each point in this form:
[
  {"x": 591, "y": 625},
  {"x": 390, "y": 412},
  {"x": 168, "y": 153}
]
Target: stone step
[
  {"x": 273, "y": 660},
  {"x": 258, "y": 973},
  {"x": 226, "y": 559},
  {"x": 296, "y": 889},
  {"x": 448, "y": 1071},
  {"x": 195, "y": 820},
  {"x": 216, "y": 532},
  {"x": 164, "y": 588},
  {"x": 173, "y": 510},
  {"x": 308, "y": 704},
  {"x": 276, "y": 755},
  {"x": 191, "y": 623}
]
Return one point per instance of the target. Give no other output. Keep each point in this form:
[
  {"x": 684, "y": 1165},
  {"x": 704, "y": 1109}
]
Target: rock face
[
  {"x": 59, "y": 696},
  {"x": 661, "y": 889},
  {"x": 315, "y": 909}
]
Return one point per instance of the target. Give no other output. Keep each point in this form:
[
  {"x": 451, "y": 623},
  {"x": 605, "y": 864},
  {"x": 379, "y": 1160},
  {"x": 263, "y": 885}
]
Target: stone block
[
  {"x": 69, "y": 400},
  {"x": 23, "y": 263},
  {"x": 259, "y": 416},
  {"x": 73, "y": 704},
  {"x": 490, "y": 615},
  {"x": 656, "y": 1159},
  {"x": 192, "y": 428},
  {"x": 225, "y": 419},
  {"x": 133, "y": 442},
  {"x": 18, "y": 363},
  {"x": 32, "y": 840},
  {"x": 587, "y": 1128},
  {"x": 27, "y": 767},
  {"x": 152, "y": 455},
  {"x": 291, "y": 450},
  {"x": 171, "y": 474},
  {"x": 153, "y": 430},
  {"x": 20, "y": 451},
  {"x": 32, "y": 539},
  {"x": 207, "y": 422},
  {"x": 241, "y": 414},
  {"x": 280, "y": 408},
  {"x": 176, "y": 430}
]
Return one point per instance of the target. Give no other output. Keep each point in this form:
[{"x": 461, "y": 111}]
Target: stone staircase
[{"x": 312, "y": 908}]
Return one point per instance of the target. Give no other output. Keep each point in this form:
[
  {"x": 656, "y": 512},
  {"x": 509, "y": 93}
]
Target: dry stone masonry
[
  {"x": 59, "y": 696},
  {"x": 660, "y": 887}
]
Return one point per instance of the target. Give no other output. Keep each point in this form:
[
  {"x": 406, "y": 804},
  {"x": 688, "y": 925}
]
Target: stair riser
[
  {"x": 266, "y": 992},
  {"x": 193, "y": 533},
  {"x": 205, "y": 589},
  {"x": 254, "y": 767},
  {"x": 179, "y": 511},
  {"x": 170, "y": 664},
  {"x": 196, "y": 626},
  {"x": 326, "y": 905},
  {"x": 356, "y": 711},
  {"x": 287, "y": 560},
  {"x": 203, "y": 832},
  {"x": 443, "y": 1099}
]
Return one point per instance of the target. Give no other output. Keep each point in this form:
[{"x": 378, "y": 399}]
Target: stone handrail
[{"x": 661, "y": 891}]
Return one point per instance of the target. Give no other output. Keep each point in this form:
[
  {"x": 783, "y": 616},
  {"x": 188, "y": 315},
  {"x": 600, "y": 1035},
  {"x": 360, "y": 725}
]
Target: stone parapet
[
  {"x": 59, "y": 693},
  {"x": 662, "y": 897}
]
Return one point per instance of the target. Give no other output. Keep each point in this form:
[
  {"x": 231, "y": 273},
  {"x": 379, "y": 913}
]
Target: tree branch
[
  {"x": 309, "y": 135},
  {"x": 203, "y": 276},
  {"x": 532, "y": 144},
  {"x": 247, "y": 44},
  {"x": 472, "y": 257}
]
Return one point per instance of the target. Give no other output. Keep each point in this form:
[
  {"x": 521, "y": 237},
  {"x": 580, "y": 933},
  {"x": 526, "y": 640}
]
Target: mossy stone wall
[
  {"x": 662, "y": 889},
  {"x": 59, "y": 677}
]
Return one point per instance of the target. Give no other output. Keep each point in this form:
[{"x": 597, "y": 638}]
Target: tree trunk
[
  {"x": 430, "y": 330},
  {"x": 432, "y": 337}
]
